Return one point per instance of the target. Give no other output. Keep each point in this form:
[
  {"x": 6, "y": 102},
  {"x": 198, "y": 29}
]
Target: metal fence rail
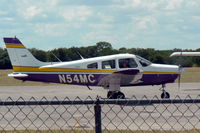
[{"x": 100, "y": 115}]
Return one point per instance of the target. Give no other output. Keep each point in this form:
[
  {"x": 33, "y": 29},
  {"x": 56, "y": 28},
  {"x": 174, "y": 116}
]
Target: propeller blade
[
  {"x": 180, "y": 70},
  {"x": 179, "y": 81}
]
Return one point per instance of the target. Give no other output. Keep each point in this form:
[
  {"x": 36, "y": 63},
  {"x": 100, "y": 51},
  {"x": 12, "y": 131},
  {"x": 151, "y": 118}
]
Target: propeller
[{"x": 180, "y": 69}]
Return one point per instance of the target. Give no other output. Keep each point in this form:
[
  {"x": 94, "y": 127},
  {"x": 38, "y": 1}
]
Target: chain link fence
[{"x": 100, "y": 115}]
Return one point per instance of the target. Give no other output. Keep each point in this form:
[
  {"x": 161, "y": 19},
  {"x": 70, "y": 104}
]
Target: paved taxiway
[
  {"x": 71, "y": 91},
  {"x": 151, "y": 115}
]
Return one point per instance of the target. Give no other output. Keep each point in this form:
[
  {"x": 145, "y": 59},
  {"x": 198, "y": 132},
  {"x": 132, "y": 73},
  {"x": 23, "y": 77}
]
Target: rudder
[{"x": 19, "y": 55}]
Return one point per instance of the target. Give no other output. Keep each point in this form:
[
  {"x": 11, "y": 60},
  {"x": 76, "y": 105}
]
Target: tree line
[{"x": 101, "y": 49}]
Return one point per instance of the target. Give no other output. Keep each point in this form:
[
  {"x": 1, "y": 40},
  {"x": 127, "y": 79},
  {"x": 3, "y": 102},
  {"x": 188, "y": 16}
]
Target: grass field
[{"x": 190, "y": 75}]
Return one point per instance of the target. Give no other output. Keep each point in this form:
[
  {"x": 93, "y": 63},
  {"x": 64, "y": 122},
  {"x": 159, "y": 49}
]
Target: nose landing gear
[{"x": 165, "y": 94}]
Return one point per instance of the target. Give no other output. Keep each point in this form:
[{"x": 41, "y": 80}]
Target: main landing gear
[
  {"x": 164, "y": 95},
  {"x": 115, "y": 95}
]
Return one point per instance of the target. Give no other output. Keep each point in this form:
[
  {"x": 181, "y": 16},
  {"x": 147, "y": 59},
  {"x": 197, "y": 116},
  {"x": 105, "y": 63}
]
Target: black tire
[
  {"x": 110, "y": 95},
  {"x": 115, "y": 95},
  {"x": 120, "y": 95},
  {"x": 165, "y": 95}
]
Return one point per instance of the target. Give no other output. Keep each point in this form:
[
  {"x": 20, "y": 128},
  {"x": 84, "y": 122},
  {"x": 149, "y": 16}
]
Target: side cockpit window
[
  {"x": 92, "y": 66},
  {"x": 127, "y": 63},
  {"x": 109, "y": 64}
]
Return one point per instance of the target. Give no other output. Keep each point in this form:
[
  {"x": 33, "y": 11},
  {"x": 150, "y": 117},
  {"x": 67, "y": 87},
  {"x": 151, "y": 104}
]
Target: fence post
[{"x": 97, "y": 113}]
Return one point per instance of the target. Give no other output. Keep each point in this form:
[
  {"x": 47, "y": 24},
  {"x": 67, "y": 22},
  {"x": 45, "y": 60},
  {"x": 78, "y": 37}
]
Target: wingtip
[{"x": 175, "y": 54}]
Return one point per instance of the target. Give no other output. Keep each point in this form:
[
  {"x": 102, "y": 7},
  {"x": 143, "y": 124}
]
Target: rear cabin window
[
  {"x": 127, "y": 63},
  {"x": 92, "y": 66},
  {"x": 110, "y": 64}
]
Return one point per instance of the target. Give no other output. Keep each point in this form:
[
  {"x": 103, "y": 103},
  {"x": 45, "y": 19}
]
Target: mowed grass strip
[{"x": 190, "y": 75}]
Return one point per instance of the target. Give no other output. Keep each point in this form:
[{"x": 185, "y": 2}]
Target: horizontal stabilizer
[{"x": 18, "y": 75}]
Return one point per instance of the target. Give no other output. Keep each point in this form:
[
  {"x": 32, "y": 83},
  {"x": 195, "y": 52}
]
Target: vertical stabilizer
[{"x": 19, "y": 55}]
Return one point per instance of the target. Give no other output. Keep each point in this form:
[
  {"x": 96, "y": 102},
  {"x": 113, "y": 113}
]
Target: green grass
[
  {"x": 190, "y": 75},
  {"x": 92, "y": 131}
]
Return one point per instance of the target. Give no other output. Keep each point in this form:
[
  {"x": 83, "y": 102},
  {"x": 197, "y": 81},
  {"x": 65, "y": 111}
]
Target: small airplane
[{"x": 110, "y": 72}]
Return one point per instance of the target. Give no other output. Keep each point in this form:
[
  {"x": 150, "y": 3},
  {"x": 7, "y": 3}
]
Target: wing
[
  {"x": 185, "y": 54},
  {"x": 121, "y": 78}
]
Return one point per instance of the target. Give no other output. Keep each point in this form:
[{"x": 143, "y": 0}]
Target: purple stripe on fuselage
[
  {"x": 76, "y": 79},
  {"x": 94, "y": 79},
  {"x": 157, "y": 79},
  {"x": 12, "y": 41}
]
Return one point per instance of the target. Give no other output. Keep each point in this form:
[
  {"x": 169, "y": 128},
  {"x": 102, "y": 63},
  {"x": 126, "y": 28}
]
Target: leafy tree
[
  {"x": 4, "y": 59},
  {"x": 39, "y": 54},
  {"x": 103, "y": 45},
  {"x": 101, "y": 49}
]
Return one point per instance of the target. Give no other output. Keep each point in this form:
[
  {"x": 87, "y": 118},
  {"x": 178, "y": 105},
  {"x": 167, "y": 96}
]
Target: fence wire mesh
[{"x": 78, "y": 115}]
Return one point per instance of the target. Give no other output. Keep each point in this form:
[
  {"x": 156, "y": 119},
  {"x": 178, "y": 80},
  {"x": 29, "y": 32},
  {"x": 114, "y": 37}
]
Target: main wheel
[
  {"x": 115, "y": 95},
  {"x": 110, "y": 95},
  {"x": 165, "y": 95},
  {"x": 120, "y": 95}
]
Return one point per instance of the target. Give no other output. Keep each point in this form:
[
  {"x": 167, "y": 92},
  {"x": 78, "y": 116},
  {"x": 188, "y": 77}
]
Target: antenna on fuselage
[
  {"x": 56, "y": 57},
  {"x": 79, "y": 55}
]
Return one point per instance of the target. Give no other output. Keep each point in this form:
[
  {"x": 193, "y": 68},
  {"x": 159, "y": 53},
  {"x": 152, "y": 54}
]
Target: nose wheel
[
  {"x": 165, "y": 94},
  {"x": 115, "y": 95}
]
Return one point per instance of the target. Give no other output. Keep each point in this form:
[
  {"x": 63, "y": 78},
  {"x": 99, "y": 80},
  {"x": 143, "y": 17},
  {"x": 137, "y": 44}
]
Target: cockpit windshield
[{"x": 143, "y": 61}]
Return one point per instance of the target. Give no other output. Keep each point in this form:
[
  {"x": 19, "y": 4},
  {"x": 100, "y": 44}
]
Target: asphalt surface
[
  {"x": 162, "y": 117},
  {"x": 73, "y": 91}
]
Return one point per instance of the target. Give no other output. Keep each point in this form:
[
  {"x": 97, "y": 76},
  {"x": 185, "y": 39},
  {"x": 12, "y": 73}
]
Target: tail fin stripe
[
  {"x": 14, "y": 46},
  {"x": 12, "y": 41},
  {"x": 19, "y": 55}
]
